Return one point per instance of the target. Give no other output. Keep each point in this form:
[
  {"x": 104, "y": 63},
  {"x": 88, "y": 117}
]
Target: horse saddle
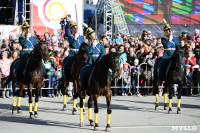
[{"x": 19, "y": 67}]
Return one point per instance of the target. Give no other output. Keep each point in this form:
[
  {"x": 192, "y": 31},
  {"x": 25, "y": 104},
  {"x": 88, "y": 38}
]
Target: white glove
[
  {"x": 68, "y": 18},
  {"x": 94, "y": 43},
  {"x": 76, "y": 35},
  {"x": 29, "y": 35},
  {"x": 170, "y": 37},
  {"x": 85, "y": 25}
]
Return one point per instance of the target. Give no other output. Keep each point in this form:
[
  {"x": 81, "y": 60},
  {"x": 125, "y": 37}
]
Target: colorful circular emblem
[{"x": 51, "y": 11}]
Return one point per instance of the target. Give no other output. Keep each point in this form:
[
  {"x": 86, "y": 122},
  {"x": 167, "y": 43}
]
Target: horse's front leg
[
  {"x": 36, "y": 100},
  {"x": 170, "y": 98},
  {"x": 19, "y": 98},
  {"x": 30, "y": 87},
  {"x": 96, "y": 110},
  {"x": 165, "y": 97},
  {"x": 156, "y": 91},
  {"x": 108, "y": 100},
  {"x": 75, "y": 84},
  {"x": 64, "y": 98},
  {"x": 179, "y": 99},
  {"x": 90, "y": 102},
  {"x": 14, "y": 109}
]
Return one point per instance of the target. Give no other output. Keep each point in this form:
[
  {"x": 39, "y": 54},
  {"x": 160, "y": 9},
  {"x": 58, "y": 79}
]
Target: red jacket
[{"x": 191, "y": 63}]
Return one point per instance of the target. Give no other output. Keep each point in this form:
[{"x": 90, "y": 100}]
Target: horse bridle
[{"x": 114, "y": 70}]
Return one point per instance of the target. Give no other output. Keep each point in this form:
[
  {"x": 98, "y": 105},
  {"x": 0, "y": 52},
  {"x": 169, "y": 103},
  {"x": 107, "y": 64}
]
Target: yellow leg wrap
[
  {"x": 156, "y": 98},
  {"x": 30, "y": 107},
  {"x": 96, "y": 118},
  {"x": 170, "y": 103},
  {"x": 18, "y": 101},
  {"x": 65, "y": 99},
  {"x": 165, "y": 98},
  {"x": 179, "y": 103},
  {"x": 75, "y": 102},
  {"x": 83, "y": 103},
  {"x": 108, "y": 118},
  {"x": 14, "y": 101},
  {"x": 89, "y": 113},
  {"x": 35, "y": 106},
  {"x": 81, "y": 114}
]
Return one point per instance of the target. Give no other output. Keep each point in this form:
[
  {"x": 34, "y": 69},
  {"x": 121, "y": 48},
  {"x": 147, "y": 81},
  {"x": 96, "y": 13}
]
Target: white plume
[
  {"x": 24, "y": 19},
  {"x": 85, "y": 25},
  {"x": 164, "y": 21}
]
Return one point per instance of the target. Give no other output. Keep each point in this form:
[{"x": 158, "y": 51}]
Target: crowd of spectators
[{"x": 134, "y": 50}]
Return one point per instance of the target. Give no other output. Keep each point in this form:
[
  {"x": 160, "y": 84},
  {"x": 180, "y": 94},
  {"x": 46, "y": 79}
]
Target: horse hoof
[
  {"x": 108, "y": 128},
  {"x": 31, "y": 116},
  {"x": 81, "y": 124},
  {"x": 96, "y": 128},
  {"x": 156, "y": 108},
  {"x": 14, "y": 112},
  {"x": 83, "y": 110},
  {"x": 64, "y": 108},
  {"x": 36, "y": 115},
  {"x": 19, "y": 111},
  {"x": 91, "y": 123},
  {"x": 165, "y": 108},
  {"x": 178, "y": 111},
  {"x": 170, "y": 110},
  {"x": 74, "y": 111}
]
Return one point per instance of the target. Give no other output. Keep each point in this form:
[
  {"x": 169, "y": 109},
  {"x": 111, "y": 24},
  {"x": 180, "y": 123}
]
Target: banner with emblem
[{"x": 46, "y": 14}]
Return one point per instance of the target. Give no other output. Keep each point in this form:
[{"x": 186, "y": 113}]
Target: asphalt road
[{"x": 129, "y": 114}]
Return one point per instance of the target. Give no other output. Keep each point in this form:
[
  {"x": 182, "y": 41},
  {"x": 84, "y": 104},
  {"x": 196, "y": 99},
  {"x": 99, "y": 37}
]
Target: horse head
[
  {"x": 41, "y": 48},
  {"x": 178, "y": 57},
  {"x": 114, "y": 64},
  {"x": 82, "y": 53}
]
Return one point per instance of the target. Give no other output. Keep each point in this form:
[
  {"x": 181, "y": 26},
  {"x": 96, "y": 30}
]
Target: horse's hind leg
[
  {"x": 156, "y": 102},
  {"x": 30, "y": 100},
  {"x": 90, "y": 101},
  {"x": 64, "y": 99},
  {"x": 165, "y": 97},
  {"x": 81, "y": 111},
  {"x": 36, "y": 100},
  {"x": 179, "y": 99},
  {"x": 170, "y": 99},
  {"x": 75, "y": 97},
  {"x": 108, "y": 100},
  {"x": 96, "y": 110},
  {"x": 14, "y": 109},
  {"x": 19, "y": 98}
]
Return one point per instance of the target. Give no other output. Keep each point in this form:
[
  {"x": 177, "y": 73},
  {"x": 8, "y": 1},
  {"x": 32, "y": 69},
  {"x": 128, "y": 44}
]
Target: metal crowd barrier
[{"x": 116, "y": 86}]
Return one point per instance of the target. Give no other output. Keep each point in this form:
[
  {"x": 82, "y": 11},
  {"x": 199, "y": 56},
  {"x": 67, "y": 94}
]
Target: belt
[
  {"x": 170, "y": 49},
  {"x": 94, "y": 55},
  {"x": 27, "y": 49},
  {"x": 76, "y": 50}
]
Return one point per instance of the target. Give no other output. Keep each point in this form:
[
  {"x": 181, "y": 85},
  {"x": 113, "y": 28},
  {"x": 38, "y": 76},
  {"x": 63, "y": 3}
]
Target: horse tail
[{"x": 8, "y": 80}]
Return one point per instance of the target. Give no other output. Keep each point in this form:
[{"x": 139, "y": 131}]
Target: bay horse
[
  {"x": 72, "y": 76},
  {"x": 175, "y": 75},
  {"x": 99, "y": 84},
  {"x": 32, "y": 76}
]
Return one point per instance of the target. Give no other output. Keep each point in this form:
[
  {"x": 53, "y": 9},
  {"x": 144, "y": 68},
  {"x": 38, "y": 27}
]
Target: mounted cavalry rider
[
  {"x": 95, "y": 52},
  {"x": 75, "y": 41},
  {"x": 28, "y": 43},
  {"x": 169, "y": 42}
]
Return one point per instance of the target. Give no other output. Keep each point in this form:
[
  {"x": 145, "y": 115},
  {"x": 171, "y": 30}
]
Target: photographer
[{"x": 65, "y": 24}]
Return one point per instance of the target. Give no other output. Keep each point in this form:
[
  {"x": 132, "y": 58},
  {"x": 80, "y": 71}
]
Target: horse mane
[{"x": 177, "y": 58}]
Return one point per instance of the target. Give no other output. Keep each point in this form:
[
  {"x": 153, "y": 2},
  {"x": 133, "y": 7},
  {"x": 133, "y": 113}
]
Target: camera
[{"x": 63, "y": 22}]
